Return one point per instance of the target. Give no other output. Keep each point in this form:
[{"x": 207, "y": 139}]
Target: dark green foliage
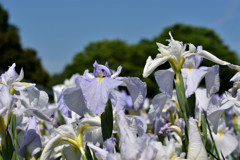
[
  {"x": 88, "y": 153},
  {"x": 107, "y": 122},
  {"x": 133, "y": 57},
  {"x": 9, "y": 142},
  {"x": 11, "y": 52}
]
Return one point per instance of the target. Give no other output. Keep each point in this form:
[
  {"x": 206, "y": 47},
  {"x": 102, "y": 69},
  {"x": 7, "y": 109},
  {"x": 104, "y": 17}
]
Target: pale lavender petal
[
  {"x": 136, "y": 124},
  {"x": 73, "y": 98},
  {"x": 37, "y": 98},
  {"x": 137, "y": 90},
  {"x": 101, "y": 70},
  {"x": 128, "y": 139},
  {"x": 6, "y": 100},
  {"x": 109, "y": 144},
  {"x": 93, "y": 134},
  {"x": 86, "y": 74},
  {"x": 96, "y": 92},
  {"x": 164, "y": 80},
  {"x": 118, "y": 100},
  {"x": 233, "y": 66},
  {"x": 159, "y": 102},
  {"x": 192, "y": 78},
  {"x": 63, "y": 108},
  {"x": 164, "y": 128},
  {"x": 32, "y": 140},
  {"x": 10, "y": 75},
  {"x": 192, "y": 62},
  {"x": 212, "y": 80},
  {"x": 99, "y": 152},
  {"x": 38, "y": 113},
  {"x": 236, "y": 77},
  {"x": 214, "y": 111},
  {"x": 202, "y": 100},
  {"x": 199, "y": 48}
]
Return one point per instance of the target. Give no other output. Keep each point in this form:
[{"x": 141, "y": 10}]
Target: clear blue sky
[{"x": 58, "y": 29}]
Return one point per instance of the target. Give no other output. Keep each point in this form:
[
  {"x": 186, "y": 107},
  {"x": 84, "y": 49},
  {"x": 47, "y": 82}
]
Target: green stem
[{"x": 182, "y": 103}]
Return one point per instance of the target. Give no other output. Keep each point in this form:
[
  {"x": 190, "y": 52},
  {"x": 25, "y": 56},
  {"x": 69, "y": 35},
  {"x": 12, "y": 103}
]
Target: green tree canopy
[
  {"x": 133, "y": 57},
  {"x": 11, "y": 52}
]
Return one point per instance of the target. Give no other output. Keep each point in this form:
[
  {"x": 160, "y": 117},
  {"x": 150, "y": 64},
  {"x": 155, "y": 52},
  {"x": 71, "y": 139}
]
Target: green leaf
[
  {"x": 191, "y": 104},
  {"x": 94, "y": 156},
  {"x": 210, "y": 131},
  {"x": 9, "y": 141},
  {"x": 181, "y": 98},
  {"x": 107, "y": 122},
  {"x": 182, "y": 103},
  {"x": 88, "y": 153},
  {"x": 13, "y": 135}
]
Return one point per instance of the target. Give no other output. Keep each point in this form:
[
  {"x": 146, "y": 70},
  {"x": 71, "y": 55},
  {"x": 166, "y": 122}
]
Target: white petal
[
  {"x": 19, "y": 86},
  {"x": 159, "y": 102},
  {"x": 196, "y": 150},
  {"x": 226, "y": 143},
  {"x": 211, "y": 57},
  {"x": 20, "y": 77},
  {"x": 212, "y": 80},
  {"x": 151, "y": 65},
  {"x": 38, "y": 113},
  {"x": 66, "y": 131},
  {"x": 192, "y": 48},
  {"x": 71, "y": 153},
  {"x": 201, "y": 99},
  {"x": 50, "y": 147},
  {"x": 164, "y": 80},
  {"x": 191, "y": 79},
  {"x": 6, "y": 100}
]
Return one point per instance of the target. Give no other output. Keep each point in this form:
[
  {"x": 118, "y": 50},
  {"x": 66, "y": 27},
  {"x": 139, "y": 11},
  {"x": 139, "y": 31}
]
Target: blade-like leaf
[{"x": 107, "y": 122}]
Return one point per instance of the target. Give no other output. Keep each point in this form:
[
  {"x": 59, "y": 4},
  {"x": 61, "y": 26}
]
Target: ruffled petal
[
  {"x": 226, "y": 143},
  {"x": 96, "y": 92},
  {"x": 212, "y": 79},
  {"x": 151, "y": 65},
  {"x": 137, "y": 90}
]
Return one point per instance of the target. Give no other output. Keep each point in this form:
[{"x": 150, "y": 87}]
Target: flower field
[{"x": 102, "y": 115}]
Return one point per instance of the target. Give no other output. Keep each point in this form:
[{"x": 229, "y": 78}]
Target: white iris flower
[{"x": 175, "y": 53}]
